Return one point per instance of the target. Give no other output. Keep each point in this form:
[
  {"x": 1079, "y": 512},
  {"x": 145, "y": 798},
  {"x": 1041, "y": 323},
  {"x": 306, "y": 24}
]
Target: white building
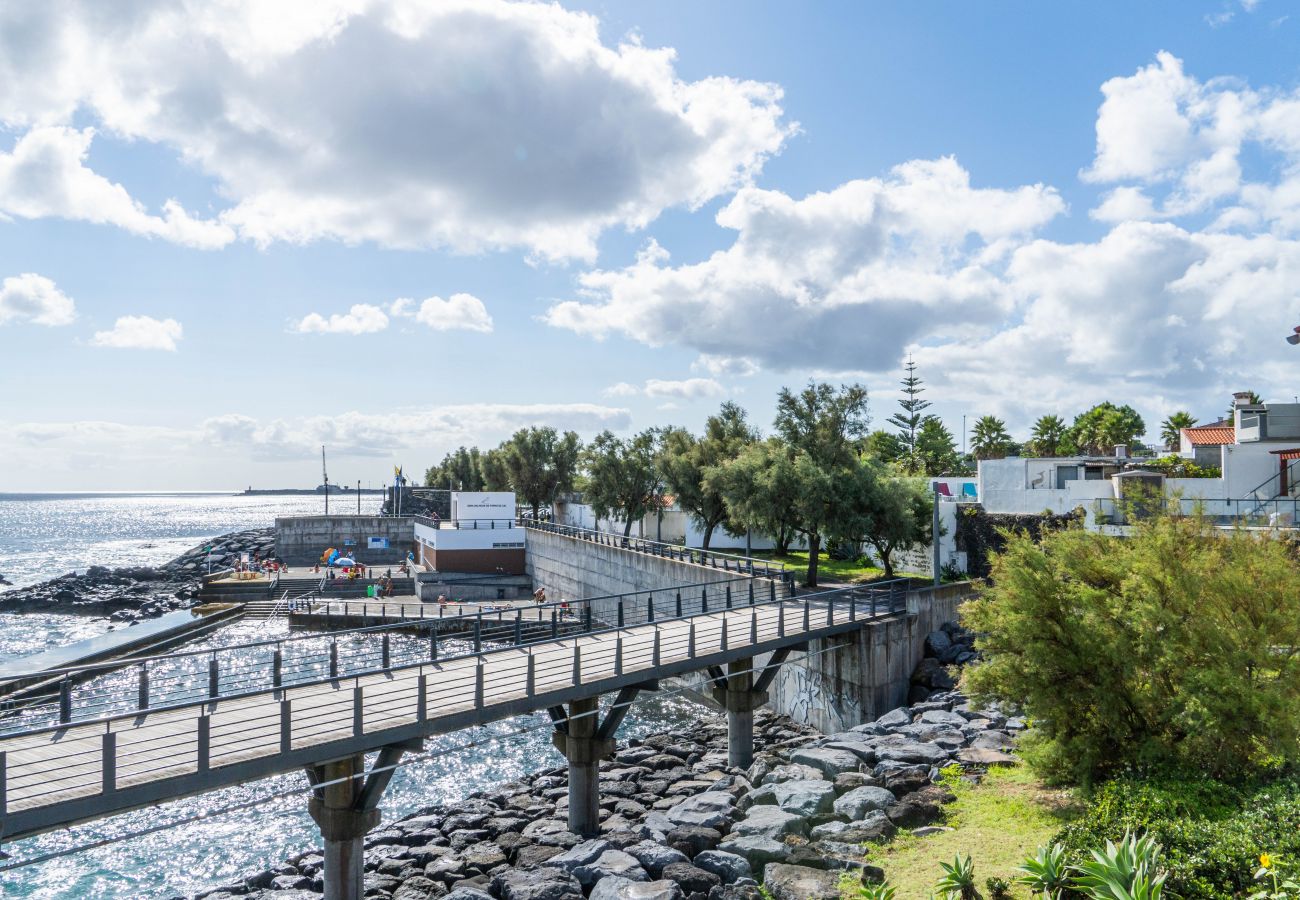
[
  {"x": 1256, "y": 456},
  {"x": 482, "y": 535}
]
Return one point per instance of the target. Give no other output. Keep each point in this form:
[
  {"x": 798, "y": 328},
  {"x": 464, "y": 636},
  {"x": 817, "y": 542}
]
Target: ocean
[{"x": 43, "y": 535}]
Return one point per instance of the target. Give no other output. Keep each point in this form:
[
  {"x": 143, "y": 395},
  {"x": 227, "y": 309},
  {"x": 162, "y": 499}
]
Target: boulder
[
  {"x": 693, "y": 839},
  {"x": 978, "y": 756},
  {"x": 937, "y": 643},
  {"x": 874, "y": 826},
  {"x": 728, "y": 866},
  {"x": 858, "y": 802},
  {"x": 584, "y": 854},
  {"x": 829, "y": 762},
  {"x": 894, "y": 718},
  {"x": 770, "y": 821},
  {"x": 805, "y": 797},
  {"x": 707, "y": 810},
  {"x": 465, "y": 893},
  {"x": 757, "y": 850},
  {"x": 416, "y": 888},
  {"x": 906, "y": 751},
  {"x": 653, "y": 856},
  {"x": 786, "y": 882},
  {"x": 943, "y": 717},
  {"x": 611, "y": 862},
  {"x": 791, "y": 772},
  {"x": 536, "y": 884},
  {"x": 615, "y": 888},
  {"x": 692, "y": 879}
]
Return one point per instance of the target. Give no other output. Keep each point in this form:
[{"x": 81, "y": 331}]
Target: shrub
[
  {"x": 1179, "y": 644},
  {"x": 1212, "y": 833}
]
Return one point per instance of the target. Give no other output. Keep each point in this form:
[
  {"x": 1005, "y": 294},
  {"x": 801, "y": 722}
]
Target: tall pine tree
[{"x": 908, "y": 422}]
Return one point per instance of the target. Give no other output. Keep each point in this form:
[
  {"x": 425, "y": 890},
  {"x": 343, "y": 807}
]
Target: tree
[
  {"x": 1048, "y": 436},
  {"x": 936, "y": 450},
  {"x": 820, "y": 427},
  {"x": 989, "y": 438},
  {"x": 541, "y": 463},
  {"x": 884, "y": 446},
  {"x": 458, "y": 471},
  {"x": 685, "y": 461},
  {"x": 908, "y": 422},
  {"x": 1171, "y": 429},
  {"x": 623, "y": 479},
  {"x": 496, "y": 474},
  {"x": 1099, "y": 430},
  {"x": 759, "y": 490},
  {"x": 897, "y": 517},
  {"x": 1145, "y": 651}
]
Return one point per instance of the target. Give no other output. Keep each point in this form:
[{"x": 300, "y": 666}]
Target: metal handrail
[
  {"x": 747, "y": 564},
  {"x": 557, "y": 605},
  {"x": 892, "y": 589},
  {"x": 468, "y": 524}
]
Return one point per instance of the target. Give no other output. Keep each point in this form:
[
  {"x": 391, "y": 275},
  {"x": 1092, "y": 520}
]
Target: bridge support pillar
[
  {"x": 344, "y": 804},
  {"x": 736, "y": 694},
  {"x": 582, "y": 744}
]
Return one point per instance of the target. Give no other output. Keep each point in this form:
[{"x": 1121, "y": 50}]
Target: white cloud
[
  {"x": 737, "y": 366},
  {"x": 467, "y": 125},
  {"x": 459, "y": 312},
  {"x": 369, "y": 434},
  {"x": 140, "y": 333},
  {"x": 45, "y": 175},
  {"x": 34, "y": 298},
  {"x": 362, "y": 318},
  {"x": 839, "y": 279},
  {"x": 621, "y": 389},
  {"x": 686, "y": 389}
]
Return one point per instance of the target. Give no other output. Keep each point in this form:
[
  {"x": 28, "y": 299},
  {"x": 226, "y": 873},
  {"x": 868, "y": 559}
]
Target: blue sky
[{"x": 620, "y": 215}]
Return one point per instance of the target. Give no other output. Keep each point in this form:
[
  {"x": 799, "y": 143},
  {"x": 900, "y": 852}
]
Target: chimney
[
  {"x": 1121, "y": 451},
  {"x": 1240, "y": 399}
]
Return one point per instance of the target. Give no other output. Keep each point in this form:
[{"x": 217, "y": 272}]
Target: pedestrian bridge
[{"x": 190, "y": 722}]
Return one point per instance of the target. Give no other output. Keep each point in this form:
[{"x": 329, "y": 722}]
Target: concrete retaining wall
[
  {"x": 574, "y": 569},
  {"x": 868, "y": 672},
  {"x": 300, "y": 540}
]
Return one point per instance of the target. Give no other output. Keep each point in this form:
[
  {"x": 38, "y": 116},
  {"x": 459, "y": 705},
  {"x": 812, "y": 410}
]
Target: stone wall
[
  {"x": 300, "y": 540},
  {"x": 574, "y": 569},
  {"x": 869, "y": 671}
]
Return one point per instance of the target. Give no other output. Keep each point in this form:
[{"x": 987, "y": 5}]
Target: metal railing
[
  {"x": 121, "y": 760},
  {"x": 467, "y": 524},
  {"x": 195, "y": 677},
  {"x": 728, "y": 562},
  {"x": 1279, "y": 512}
]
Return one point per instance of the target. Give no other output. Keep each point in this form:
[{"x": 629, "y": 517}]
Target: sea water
[{"x": 227, "y": 834}]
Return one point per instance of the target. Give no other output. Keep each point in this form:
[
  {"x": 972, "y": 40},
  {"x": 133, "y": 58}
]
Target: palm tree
[
  {"x": 1049, "y": 432},
  {"x": 989, "y": 438},
  {"x": 1171, "y": 429}
]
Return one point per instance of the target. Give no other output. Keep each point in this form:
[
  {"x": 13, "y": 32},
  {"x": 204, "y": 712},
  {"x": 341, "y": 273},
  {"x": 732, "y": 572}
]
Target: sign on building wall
[
  {"x": 467, "y": 505},
  {"x": 377, "y": 543}
]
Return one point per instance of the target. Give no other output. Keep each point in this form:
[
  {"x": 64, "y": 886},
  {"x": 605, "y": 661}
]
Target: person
[
  {"x": 442, "y": 599},
  {"x": 539, "y": 596},
  {"x": 437, "y": 520}
]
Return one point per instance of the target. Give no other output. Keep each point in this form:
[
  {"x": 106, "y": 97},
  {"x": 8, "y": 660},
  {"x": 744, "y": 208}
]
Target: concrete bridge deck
[{"x": 55, "y": 776}]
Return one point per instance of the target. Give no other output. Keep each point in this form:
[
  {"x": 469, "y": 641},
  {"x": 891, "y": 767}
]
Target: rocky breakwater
[
  {"x": 677, "y": 823},
  {"x": 130, "y": 593}
]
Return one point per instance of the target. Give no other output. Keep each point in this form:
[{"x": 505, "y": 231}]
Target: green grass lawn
[
  {"x": 846, "y": 570},
  {"x": 997, "y": 823}
]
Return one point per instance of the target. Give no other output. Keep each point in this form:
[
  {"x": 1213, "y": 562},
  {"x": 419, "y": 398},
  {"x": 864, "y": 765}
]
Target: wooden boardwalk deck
[{"x": 56, "y": 776}]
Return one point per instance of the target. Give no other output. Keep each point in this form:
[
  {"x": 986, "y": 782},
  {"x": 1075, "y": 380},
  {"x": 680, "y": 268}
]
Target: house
[
  {"x": 1203, "y": 444},
  {"x": 1256, "y": 454}
]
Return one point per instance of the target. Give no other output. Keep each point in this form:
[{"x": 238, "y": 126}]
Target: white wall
[
  {"x": 448, "y": 538},
  {"x": 467, "y": 505}
]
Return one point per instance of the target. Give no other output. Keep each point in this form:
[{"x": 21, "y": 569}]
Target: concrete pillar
[
  {"x": 342, "y": 826},
  {"x": 584, "y": 750},
  {"x": 740, "y": 700}
]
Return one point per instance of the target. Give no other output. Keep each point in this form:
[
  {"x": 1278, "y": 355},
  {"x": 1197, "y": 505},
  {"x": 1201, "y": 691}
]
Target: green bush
[
  {"x": 1176, "y": 646},
  {"x": 1212, "y": 833}
]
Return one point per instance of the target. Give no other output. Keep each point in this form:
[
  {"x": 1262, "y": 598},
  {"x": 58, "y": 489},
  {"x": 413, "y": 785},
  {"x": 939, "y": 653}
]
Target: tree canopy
[
  {"x": 623, "y": 479},
  {"x": 989, "y": 438},
  {"x": 1146, "y": 650},
  {"x": 908, "y": 420},
  {"x": 1171, "y": 429},
  {"x": 541, "y": 463},
  {"x": 686, "y": 462},
  {"x": 1048, "y": 437},
  {"x": 1099, "y": 430}
]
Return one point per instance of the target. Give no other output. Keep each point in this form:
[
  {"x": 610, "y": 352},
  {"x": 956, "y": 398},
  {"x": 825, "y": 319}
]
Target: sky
[{"x": 233, "y": 232}]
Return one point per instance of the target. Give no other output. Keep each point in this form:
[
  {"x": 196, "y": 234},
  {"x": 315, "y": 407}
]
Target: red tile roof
[{"x": 1211, "y": 435}]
